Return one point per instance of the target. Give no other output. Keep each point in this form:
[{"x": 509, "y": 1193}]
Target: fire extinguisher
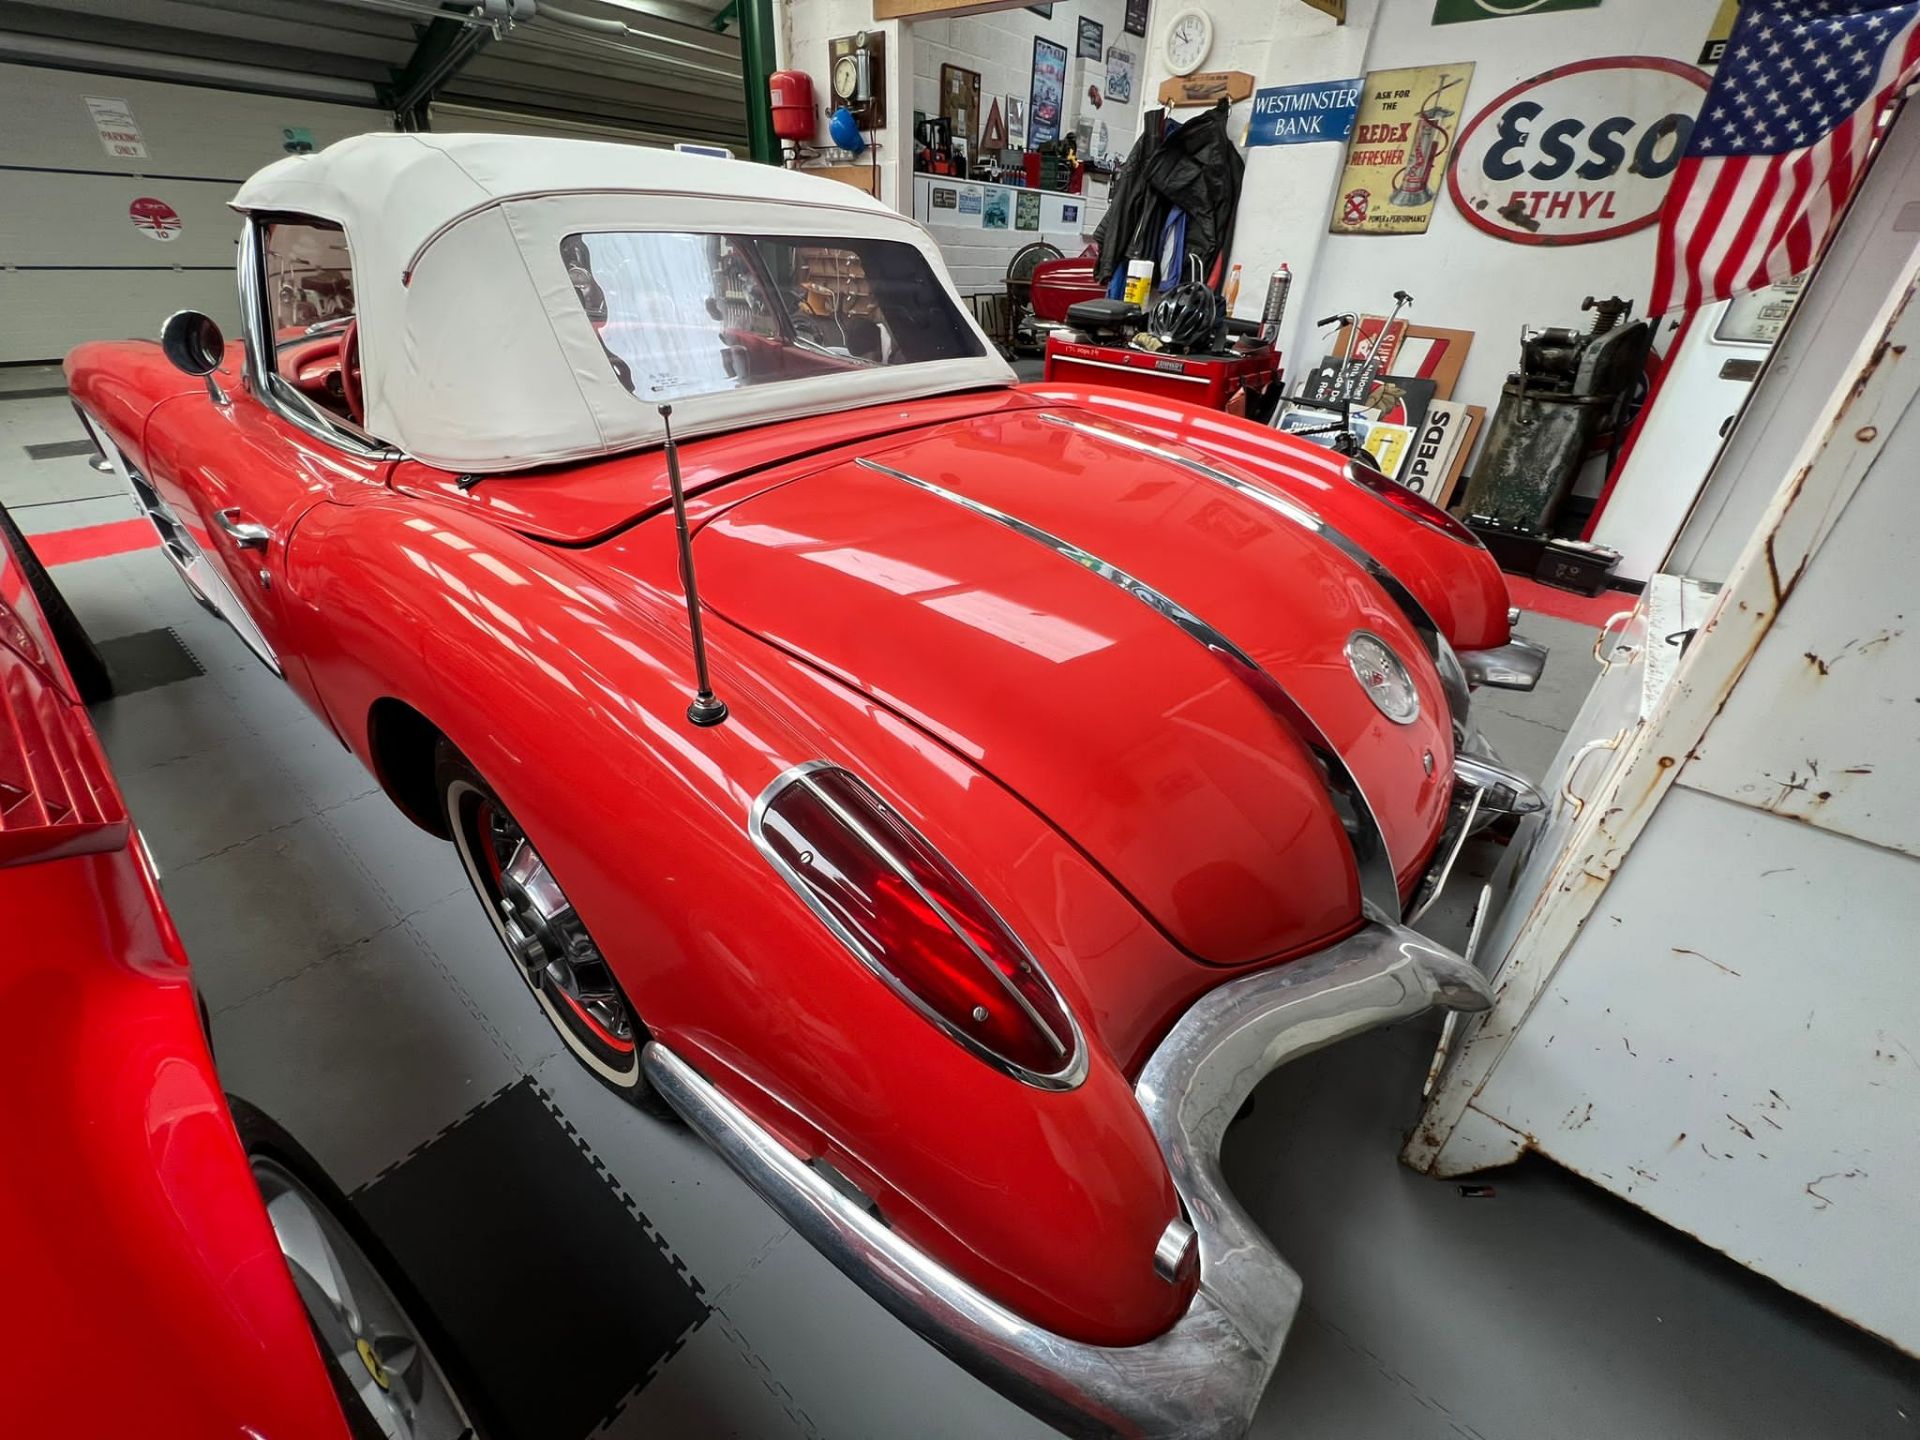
[{"x": 1414, "y": 184}]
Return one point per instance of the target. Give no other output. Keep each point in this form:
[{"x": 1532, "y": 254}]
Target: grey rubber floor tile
[
  {"x": 323, "y": 770},
  {"x": 412, "y": 868},
  {"x": 107, "y": 505},
  {"x": 39, "y": 482},
  {"x": 170, "y": 723},
  {"x": 861, "y": 1373},
  {"x": 712, "y": 1219},
  {"x": 456, "y": 933},
  {"x": 1526, "y": 727},
  {"x": 716, "y": 1388},
  {"x": 1594, "y": 1319},
  {"x": 106, "y": 599},
  {"x": 1352, "y": 1394},
  {"x": 265, "y": 910},
  {"x": 193, "y": 807},
  {"x": 363, "y": 1056}
]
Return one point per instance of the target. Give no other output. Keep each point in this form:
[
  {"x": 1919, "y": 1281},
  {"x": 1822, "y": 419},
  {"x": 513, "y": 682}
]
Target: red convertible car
[
  {"x": 1058, "y": 763},
  {"x": 149, "y": 1290}
]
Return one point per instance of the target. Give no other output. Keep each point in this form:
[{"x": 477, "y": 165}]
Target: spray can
[
  {"x": 1276, "y": 307},
  {"x": 1139, "y": 281}
]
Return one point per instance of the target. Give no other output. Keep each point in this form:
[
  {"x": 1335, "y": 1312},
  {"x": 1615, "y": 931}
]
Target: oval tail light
[{"x": 911, "y": 918}]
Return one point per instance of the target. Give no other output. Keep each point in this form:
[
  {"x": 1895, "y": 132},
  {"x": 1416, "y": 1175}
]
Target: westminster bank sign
[{"x": 1301, "y": 114}]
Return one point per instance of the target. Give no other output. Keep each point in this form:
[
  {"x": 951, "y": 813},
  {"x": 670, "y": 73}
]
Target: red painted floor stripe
[
  {"x": 1530, "y": 594},
  {"x": 90, "y": 542}
]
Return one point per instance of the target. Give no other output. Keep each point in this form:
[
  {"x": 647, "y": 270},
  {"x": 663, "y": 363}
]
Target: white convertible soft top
[{"x": 475, "y": 350}]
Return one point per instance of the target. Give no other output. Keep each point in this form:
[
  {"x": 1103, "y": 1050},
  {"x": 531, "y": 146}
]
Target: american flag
[{"x": 1782, "y": 137}]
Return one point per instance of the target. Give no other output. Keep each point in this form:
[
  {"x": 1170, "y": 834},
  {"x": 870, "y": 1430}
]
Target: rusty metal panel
[
  {"x": 1733, "y": 1044},
  {"x": 1824, "y": 727}
]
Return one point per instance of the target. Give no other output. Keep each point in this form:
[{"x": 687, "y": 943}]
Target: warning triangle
[{"x": 993, "y": 134}]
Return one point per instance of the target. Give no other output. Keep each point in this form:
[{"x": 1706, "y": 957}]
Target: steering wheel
[{"x": 350, "y": 388}]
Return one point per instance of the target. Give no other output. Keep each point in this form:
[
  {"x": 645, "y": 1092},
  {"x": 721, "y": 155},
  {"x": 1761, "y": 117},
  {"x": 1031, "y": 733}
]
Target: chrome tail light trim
[
  {"x": 1203, "y": 1378},
  {"x": 1072, "y": 1046},
  {"x": 1379, "y": 889}
]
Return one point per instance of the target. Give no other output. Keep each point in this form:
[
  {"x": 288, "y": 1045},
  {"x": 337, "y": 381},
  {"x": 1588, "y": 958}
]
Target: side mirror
[{"x": 193, "y": 342}]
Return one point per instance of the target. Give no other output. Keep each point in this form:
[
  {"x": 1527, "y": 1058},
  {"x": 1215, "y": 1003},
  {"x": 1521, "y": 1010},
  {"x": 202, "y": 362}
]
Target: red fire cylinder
[{"x": 792, "y": 93}]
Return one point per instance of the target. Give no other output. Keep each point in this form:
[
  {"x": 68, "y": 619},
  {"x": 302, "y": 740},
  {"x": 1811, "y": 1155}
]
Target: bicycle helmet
[{"x": 1186, "y": 316}]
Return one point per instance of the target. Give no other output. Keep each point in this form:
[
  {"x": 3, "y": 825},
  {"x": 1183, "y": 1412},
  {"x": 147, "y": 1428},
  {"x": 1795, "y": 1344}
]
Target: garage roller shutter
[{"x": 95, "y": 245}]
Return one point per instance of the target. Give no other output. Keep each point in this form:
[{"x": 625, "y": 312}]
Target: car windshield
[{"x": 685, "y": 314}]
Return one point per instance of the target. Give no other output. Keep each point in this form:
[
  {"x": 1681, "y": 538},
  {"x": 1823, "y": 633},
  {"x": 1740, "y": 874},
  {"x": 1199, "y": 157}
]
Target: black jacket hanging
[{"x": 1196, "y": 168}]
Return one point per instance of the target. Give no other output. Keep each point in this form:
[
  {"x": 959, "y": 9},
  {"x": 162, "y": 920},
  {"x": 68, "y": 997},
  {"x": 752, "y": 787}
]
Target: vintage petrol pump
[{"x": 1414, "y": 184}]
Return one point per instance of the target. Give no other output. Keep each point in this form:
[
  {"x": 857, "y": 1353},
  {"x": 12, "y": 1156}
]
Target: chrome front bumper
[{"x": 1204, "y": 1377}]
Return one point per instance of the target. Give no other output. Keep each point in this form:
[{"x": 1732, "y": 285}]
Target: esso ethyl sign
[{"x": 1582, "y": 152}]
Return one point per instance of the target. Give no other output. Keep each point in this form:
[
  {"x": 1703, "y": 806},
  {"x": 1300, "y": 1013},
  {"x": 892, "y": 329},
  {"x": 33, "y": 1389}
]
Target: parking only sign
[{"x": 119, "y": 136}]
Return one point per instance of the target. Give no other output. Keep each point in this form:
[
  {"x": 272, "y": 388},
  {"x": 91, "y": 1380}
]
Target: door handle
[{"x": 245, "y": 534}]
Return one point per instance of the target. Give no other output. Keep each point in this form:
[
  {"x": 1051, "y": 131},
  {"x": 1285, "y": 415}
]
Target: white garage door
[{"x": 113, "y": 199}]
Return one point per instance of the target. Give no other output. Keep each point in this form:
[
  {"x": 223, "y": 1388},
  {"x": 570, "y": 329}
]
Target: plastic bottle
[
  {"x": 1233, "y": 289},
  {"x": 1139, "y": 281}
]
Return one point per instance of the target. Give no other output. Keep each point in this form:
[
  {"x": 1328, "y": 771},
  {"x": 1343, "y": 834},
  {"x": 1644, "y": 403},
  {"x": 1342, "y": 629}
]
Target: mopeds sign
[{"x": 1579, "y": 153}]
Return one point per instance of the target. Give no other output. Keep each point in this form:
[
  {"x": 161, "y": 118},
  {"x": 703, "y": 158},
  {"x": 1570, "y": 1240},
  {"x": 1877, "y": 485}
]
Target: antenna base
[{"x": 707, "y": 710}]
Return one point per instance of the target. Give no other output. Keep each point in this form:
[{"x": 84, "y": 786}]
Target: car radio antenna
[{"x": 707, "y": 708}]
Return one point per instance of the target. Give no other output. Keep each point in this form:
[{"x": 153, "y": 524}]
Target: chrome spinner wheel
[{"x": 543, "y": 933}]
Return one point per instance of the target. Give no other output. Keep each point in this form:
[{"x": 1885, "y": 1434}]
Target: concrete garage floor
[{"x": 606, "y": 1275}]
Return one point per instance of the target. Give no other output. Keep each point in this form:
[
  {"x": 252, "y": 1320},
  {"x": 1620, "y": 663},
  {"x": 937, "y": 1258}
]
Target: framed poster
[
  {"x": 1137, "y": 17},
  {"x": 998, "y": 211},
  {"x": 1026, "y": 210},
  {"x": 960, "y": 102},
  {"x": 1397, "y": 156},
  {"x": 1048, "y": 93},
  {"x": 1016, "y": 122},
  {"x": 1119, "y": 74},
  {"x": 1045, "y": 12},
  {"x": 1092, "y": 33}
]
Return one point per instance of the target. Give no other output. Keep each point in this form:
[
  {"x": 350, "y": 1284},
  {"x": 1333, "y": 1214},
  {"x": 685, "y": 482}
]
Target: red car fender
[
  {"x": 571, "y": 700},
  {"x": 133, "y": 1240},
  {"x": 1457, "y": 580},
  {"x": 121, "y": 382}
]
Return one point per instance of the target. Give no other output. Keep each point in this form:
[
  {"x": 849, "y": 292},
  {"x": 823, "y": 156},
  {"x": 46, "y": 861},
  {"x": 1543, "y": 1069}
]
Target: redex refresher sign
[{"x": 1397, "y": 156}]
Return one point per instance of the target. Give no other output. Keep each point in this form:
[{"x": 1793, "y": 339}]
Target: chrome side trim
[
  {"x": 1282, "y": 505},
  {"x": 1074, "y": 1046},
  {"x": 1307, "y": 519},
  {"x": 1515, "y": 665},
  {"x": 1203, "y": 1378},
  {"x": 1379, "y": 890},
  {"x": 201, "y": 577}
]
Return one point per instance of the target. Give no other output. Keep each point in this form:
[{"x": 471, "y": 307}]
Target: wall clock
[{"x": 1189, "y": 38}]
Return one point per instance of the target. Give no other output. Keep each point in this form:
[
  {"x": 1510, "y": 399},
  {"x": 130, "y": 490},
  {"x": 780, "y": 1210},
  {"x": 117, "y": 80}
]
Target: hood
[{"x": 991, "y": 611}]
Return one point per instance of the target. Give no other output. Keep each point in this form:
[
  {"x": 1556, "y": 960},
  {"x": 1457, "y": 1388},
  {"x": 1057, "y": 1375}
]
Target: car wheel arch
[{"x": 401, "y": 744}]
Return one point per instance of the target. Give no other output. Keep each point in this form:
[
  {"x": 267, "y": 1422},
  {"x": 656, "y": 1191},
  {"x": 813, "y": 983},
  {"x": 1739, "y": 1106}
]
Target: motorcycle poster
[{"x": 1397, "y": 154}]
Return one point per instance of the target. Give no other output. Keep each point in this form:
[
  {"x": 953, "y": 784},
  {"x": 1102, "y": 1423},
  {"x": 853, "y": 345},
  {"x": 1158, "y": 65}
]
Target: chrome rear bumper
[
  {"x": 1515, "y": 665},
  {"x": 1204, "y": 1377}
]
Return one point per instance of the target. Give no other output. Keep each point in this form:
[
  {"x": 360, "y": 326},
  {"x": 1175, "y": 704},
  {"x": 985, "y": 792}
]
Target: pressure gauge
[
  {"x": 1189, "y": 38},
  {"x": 846, "y": 78}
]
